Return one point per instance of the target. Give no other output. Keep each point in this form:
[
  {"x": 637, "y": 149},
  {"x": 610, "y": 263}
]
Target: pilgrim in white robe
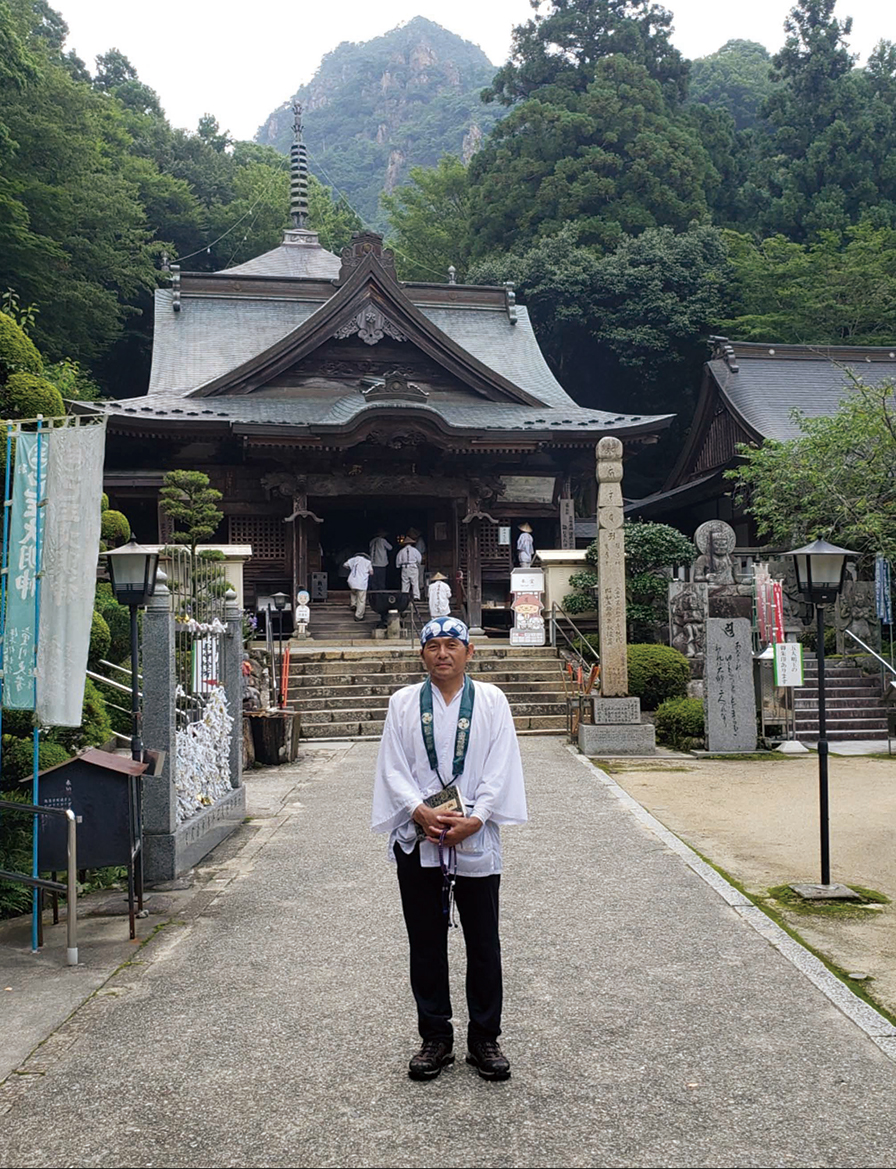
[
  {"x": 439, "y": 599},
  {"x": 525, "y": 546},
  {"x": 491, "y": 786}
]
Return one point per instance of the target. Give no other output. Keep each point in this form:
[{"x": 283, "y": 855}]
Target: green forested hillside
[
  {"x": 642, "y": 202},
  {"x": 374, "y": 110},
  {"x": 96, "y": 186}
]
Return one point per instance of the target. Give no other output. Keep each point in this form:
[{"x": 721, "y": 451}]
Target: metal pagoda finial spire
[{"x": 298, "y": 168}]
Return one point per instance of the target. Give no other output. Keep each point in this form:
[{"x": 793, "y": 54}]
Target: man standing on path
[
  {"x": 359, "y": 572},
  {"x": 379, "y": 558},
  {"x": 448, "y": 775},
  {"x": 408, "y": 560}
]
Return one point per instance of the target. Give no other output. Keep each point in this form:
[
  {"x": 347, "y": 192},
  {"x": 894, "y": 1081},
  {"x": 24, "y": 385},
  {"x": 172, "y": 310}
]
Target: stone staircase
[
  {"x": 333, "y": 620},
  {"x": 853, "y": 704},
  {"x": 344, "y": 692}
]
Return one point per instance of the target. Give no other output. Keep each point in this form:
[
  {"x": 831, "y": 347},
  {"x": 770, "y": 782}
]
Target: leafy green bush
[
  {"x": 591, "y": 639},
  {"x": 95, "y": 728},
  {"x": 583, "y": 598},
  {"x": 25, "y": 395},
  {"x": 650, "y": 550},
  {"x": 18, "y": 755},
  {"x": 679, "y": 721},
  {"x": 118, "y": 619},
  {"x": 15, "y": 855},
  {"x": 100, "y": 640},
  {"x": 114, "y": 528},
  {"x": 809, "y": 640},
  {"x": 72, "y": 381},
  {"x": 18, "y": 353},
  {"x": 18, "y": 723},
  {"x": 657, "y": 672}
]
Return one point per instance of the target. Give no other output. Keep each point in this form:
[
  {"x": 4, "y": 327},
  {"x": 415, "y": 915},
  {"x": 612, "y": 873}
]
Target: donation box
[{"x": 103, "y": 791}]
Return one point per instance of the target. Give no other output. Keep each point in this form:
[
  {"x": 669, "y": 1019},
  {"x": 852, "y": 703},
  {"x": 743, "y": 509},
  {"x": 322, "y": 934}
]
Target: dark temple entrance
[{"x": 348, "y": 528}]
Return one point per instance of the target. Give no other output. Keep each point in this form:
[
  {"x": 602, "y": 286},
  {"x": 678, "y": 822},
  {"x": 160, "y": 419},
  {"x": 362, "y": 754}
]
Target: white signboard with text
[{"x": 788, "y": 664}]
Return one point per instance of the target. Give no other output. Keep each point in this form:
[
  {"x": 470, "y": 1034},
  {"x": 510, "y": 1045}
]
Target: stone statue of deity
[
  {"x": 687, "y": 618},
  {"x": 715, "y": 541}
]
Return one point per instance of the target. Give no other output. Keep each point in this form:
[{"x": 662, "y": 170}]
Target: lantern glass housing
[
  {"x": 132, "y": 571},
  {"x": 820, "y": 569},
  {"x": 279, "y": 600}
]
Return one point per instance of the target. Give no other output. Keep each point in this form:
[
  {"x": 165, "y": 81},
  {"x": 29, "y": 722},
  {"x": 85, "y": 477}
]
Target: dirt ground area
[{"x": 757, "y": 819}]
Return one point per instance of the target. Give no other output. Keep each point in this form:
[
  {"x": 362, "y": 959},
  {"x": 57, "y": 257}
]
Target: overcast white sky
[{"x": 240, "y": 62}]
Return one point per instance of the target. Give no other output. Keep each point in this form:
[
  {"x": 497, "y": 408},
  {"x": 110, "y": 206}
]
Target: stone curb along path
[{"x": 878, "y": 1029}]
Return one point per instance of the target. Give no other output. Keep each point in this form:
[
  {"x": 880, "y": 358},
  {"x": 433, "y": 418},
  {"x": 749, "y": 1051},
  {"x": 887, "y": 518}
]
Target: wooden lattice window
[
  {"x": 266, "y": 534},
  {"x": 494, "y": 557}
]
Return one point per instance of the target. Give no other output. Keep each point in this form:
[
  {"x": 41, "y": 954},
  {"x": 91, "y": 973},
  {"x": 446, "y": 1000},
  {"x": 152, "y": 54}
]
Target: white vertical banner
[{"x": 71, "y": 540}]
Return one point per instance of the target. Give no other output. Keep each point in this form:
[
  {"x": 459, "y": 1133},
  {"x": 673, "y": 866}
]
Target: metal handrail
[
  {"x": 109, "y": 682},
  {"x": 555, "y": 608},
  {"x": 868, "y": 649},
  {"x": 121, "y": 670},
  {"x": 70, "y": 889}
]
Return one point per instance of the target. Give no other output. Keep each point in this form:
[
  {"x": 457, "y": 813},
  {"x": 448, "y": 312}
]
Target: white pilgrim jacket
[{"x": 492, "y": 784}]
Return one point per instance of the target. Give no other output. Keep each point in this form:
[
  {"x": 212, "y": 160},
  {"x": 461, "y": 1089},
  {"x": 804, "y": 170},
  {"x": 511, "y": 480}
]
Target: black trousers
[{"x": 427, "y": 926}]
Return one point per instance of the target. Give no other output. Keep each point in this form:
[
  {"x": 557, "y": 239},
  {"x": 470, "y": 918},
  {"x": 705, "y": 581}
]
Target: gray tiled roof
[
  {"x": 293, "y": 258},
  {"x": 210, "y": 336},
  {"x": 478, "y": 414},
  {"x": 765, "y": 389},
  {"x": 214, "y": 334}
]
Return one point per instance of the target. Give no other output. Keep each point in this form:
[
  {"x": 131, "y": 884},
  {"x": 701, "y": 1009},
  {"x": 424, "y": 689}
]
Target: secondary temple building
[
  {"x": 327, "y": 399},
  {"x": 748, "y": 395}
]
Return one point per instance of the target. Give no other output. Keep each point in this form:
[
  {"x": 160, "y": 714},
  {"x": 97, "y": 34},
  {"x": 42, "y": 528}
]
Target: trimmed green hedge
[
  {"x": 114, "y": 528},
  {"x": 26, "y": 395},
  {"x": 18, "y": 353},
  {"x": 679, "y": 721},
  {"x": 656, "y": 673}
]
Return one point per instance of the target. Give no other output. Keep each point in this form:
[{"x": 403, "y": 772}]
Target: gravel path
[{"x": 646, "y": 1022}]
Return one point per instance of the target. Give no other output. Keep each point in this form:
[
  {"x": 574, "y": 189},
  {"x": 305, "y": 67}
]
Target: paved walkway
[{"x": 648, "y": 1023}]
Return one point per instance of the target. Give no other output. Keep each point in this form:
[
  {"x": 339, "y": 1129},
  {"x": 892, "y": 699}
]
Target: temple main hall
[{"x": 327, "y": 399}]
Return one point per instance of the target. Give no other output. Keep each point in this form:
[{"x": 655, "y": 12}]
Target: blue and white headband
[{"x": 444, "y": 627}]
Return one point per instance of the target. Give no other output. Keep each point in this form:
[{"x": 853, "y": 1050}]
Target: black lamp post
[
  {"x": 280, "y": 600},
  {"x": 132, "y": 571},
  {"x": 820, "y": 569}
]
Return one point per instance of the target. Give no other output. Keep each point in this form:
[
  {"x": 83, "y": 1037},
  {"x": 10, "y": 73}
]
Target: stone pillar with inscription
[
  {"x": 611, "y": 570},
  {"x": 729, "y": 697},
  {"x": 617, "y": 728}
]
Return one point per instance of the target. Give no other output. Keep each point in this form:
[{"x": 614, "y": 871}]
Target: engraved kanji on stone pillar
[{"x": 611, "y": 570}]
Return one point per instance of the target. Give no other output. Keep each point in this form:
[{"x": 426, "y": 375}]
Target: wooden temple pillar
[
  {"x": 301, "y": 520},
  {"x": 474, "y": 575},
  {"x": 473, "y": 521}
]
